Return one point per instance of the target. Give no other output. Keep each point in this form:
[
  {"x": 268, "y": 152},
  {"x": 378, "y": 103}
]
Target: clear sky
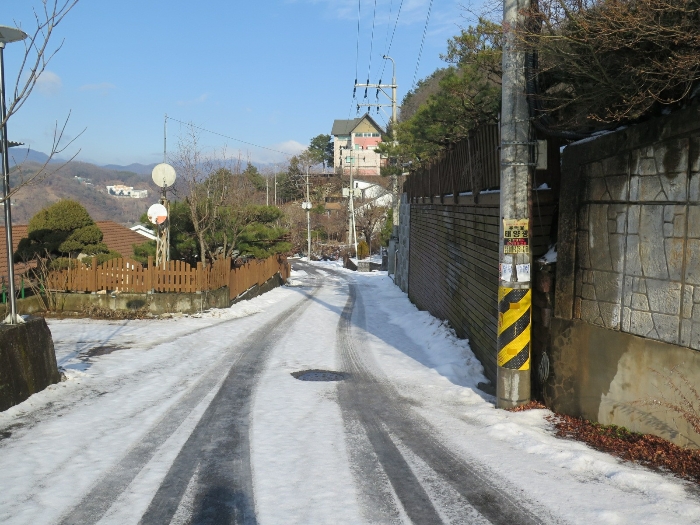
[{"x": 271, "y": 72}]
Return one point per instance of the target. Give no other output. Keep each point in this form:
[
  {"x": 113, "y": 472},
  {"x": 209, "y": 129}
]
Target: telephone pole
[
  {"x": 514, "y": 288},
  {"x": 394, "y": 240}
]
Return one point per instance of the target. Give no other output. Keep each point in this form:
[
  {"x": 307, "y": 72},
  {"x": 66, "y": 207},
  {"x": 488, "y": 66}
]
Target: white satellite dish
[
  {"x": 163, "y": 175},
  {"x": 157, "y": 214}
]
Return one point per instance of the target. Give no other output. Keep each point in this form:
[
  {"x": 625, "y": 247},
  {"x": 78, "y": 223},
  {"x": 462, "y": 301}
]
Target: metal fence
[{"x": 471, "y": 166}]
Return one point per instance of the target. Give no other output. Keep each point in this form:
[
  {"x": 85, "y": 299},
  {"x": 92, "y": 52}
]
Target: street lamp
[
  {"x": 8, "y": 35},
  {"x": 306, "y": 205}
]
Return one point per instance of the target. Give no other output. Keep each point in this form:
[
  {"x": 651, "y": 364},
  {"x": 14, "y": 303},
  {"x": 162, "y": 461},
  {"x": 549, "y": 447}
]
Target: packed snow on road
[{"x": 206, "y": 419}]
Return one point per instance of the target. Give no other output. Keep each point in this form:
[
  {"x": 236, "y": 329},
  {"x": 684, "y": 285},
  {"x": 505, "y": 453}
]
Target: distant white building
[{"x": 127, "y": 191}]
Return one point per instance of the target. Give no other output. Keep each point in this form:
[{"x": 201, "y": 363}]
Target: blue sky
[{"x": 270, "y": 72}]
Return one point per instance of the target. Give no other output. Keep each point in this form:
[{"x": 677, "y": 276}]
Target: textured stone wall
[
  {"x": 626, "y": 325},
  {"x": 638, "y": 247},
  {"x": 402, "y": 261}
]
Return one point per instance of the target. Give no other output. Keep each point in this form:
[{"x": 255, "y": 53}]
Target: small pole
[
  {"x": 165, "y": 138},
  {"x": 308, "y": 214},
  {"x": 6, "y": 191}
]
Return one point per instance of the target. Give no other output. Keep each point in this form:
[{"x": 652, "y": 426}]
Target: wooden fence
[
  {"x": 473, "y": 165},
  {"x": 124, "y": 275}
]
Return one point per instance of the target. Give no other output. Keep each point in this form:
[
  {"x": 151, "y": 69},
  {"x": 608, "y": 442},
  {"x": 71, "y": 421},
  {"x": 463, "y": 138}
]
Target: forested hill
[{"x": 62, "y": 182}]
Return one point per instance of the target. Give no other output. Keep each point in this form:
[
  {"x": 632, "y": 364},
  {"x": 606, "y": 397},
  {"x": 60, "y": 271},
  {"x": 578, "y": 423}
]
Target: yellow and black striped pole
[
  {"x": 514, "y": 294},
  {"x": 514, "y": 328}
]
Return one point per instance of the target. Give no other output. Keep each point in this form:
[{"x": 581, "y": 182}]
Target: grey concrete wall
[
  {"x": 615, "y": 378},
  {"x": 27, "y": 361},
  {"x": 403, "y": 259},
  {"x": 629, "y": 264},
  {"x": 157, "y": 303}
]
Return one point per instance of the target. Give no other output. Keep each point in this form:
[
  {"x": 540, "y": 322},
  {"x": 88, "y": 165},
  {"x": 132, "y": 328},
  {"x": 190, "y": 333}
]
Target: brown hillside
[{"x": 62, "y": 184}]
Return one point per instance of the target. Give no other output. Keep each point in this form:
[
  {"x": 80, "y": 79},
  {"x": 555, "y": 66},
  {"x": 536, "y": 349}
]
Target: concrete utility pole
[
  {"x": 514, "y": 290},
  {"x": 394, "y": 240}
]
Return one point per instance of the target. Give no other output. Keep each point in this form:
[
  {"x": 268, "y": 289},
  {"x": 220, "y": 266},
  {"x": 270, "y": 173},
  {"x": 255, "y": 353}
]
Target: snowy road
[{"x": 200, "y": 420}]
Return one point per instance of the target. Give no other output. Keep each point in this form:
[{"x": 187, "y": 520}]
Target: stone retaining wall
[
  {"x": 27, "y": 361},
  {"x": 629, "y": 271}
]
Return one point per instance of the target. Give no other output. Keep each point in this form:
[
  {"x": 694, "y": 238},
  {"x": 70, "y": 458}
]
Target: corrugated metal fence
[{"x": 125, "y": 275}]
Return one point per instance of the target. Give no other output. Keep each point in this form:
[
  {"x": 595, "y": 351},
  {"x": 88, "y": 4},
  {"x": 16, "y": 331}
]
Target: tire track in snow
[
  {"x": 219, "y": 446},
  {"x": 97, "y": 502},
  {"x": 374, "y": 403}
]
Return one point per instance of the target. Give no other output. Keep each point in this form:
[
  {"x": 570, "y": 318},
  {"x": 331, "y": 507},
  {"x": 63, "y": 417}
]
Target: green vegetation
[
  {"x": 64, "y": 229},
  {"x": 445, "y": 107}
]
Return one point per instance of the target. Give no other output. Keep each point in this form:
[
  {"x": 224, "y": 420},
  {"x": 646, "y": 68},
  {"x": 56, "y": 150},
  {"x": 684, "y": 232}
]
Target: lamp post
[
  {"x": 307, "y": 206},
  {"x": 8, "y": 35}
]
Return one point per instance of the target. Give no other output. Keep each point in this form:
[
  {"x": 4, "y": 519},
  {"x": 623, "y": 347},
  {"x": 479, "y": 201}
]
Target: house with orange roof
[{"x": 117, "y": 238}]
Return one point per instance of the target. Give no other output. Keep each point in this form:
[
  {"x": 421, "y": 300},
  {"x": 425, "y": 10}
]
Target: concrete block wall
[
  {"x": 453, "y": 265},
  {"x": 403, "y": 259}
]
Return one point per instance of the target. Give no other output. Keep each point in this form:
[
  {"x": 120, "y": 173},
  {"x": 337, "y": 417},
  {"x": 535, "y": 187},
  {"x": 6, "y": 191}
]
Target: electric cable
[
  {"x": 357, "y": 55},
  {"x": 371, "y": 45},
  {"x": 391, "y": 42},
  {"x": 227, "y": 137},
  {"x": 422, "y": 42}
]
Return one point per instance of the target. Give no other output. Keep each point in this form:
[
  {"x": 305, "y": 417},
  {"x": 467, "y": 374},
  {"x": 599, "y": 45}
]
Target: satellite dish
[
  {"x": 157, "y": 214},
  {"x": 163, "y": 175}
]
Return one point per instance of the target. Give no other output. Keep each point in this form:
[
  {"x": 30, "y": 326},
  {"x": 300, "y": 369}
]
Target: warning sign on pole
[{"x": 516, "y": 237}]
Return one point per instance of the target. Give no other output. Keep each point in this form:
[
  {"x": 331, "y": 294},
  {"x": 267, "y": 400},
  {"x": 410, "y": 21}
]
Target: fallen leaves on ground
[
  {"x": 641, "y": 448},
  {"x": 646, "y": 449}
]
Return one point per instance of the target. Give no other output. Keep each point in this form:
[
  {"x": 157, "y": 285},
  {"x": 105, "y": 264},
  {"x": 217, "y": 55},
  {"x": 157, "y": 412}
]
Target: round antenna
[
  {"x": 163, "y": 175},
  {"x": 157, "y": 214}
]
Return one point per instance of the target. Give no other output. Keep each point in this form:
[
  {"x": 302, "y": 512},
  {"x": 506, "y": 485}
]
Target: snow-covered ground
[{"x": 109, "y": 443}]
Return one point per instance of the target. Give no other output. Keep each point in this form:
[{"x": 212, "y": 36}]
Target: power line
[
  {"x": 388, "y": 49},
  {"x": 227, "y": 137},
  {"x": 371, "y": 45},
  {"x": 357, "y": 55},
  {"x": 420, "y": 52}
]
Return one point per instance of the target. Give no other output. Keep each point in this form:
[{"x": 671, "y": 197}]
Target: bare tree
[
  {"x": 368, "y": 218},
  {"x": 206, "y": 182},
  {"x": 37, "y": 56},
  {"x": 612, "y": 61}
]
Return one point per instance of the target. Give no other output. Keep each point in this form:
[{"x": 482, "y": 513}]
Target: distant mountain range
[
  {"x": 19, "y": 155},
  {"x": 139, "y": 169}
]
